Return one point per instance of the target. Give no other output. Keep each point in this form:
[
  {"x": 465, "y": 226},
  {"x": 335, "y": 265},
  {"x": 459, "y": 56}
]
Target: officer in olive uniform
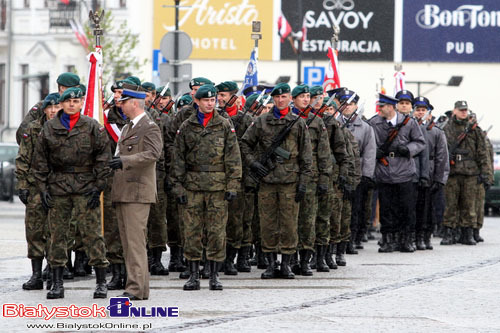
[
  {"x": 238, "y": 235},
  {"x": 70, "y": 170},
  {"x": 468, "y": 167},
  {"x": 283, "y": 187},
  {"x": 318, "y": 185},
  {"x": 206, "y": 172},
  {"x": 395, "y": 170},
  {"x": 35, "y": 217},
  {"x": 64, "y": 81}
]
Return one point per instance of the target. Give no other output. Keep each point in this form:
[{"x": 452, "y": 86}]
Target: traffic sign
[
  {"x": 314, "y": 75},
  {"x": 167, "y": 46}
]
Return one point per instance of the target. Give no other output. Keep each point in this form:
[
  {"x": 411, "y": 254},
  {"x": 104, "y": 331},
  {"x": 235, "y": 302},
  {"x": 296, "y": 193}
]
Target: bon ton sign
[{"x": 219, "y": 29}]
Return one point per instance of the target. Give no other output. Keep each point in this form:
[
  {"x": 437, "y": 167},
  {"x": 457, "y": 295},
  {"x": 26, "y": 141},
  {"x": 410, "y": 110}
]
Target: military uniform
[
  {"x": 70, "y": 164},
  {"x": 481, "y": 190},
  {"x": 278, "y": 211},
  {"x": 35, "y": 113}
]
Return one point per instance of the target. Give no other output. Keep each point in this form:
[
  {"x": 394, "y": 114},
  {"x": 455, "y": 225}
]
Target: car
[
  {"x": 492, "y": 200},
  {"x": 8, "y": 181}
]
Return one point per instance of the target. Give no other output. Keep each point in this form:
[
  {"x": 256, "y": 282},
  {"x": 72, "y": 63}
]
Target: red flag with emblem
[{"x": 332, "y": 79}]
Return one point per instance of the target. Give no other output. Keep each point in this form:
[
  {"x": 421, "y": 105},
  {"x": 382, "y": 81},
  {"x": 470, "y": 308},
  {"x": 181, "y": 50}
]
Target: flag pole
[{"x": 98, "y": 32}]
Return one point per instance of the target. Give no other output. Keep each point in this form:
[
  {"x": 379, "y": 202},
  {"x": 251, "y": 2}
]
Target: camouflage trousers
[
  {"x": 248, "y": 219},
  {"x": 480, "y": 198},
  {"x": 36, "y": 226},
  {"x": 460, "y": 210},
  {"x": 175, "y": 236},
  {"x": 157, "y": 219},
  {"x": 66, "y": 208},
  {"x": 308, "y": 209},
  {"x": 340, "y": 220},
  {"x": 278, "y": 214},
  {"x": 325, "y": 206},
  {"x": 112, "y": 239},
  {"x": 204, "y": 212},
  {"x": 234, "y": 228},
  {"x": 256, "y": 221}
]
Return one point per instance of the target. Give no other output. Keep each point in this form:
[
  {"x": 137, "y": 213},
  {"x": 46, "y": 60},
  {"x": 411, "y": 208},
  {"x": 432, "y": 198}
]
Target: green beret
[
  {"x": 51, "y": 99},
  {"x": 148, "y": 86},
  {"x": 251, "y": 99},
  {"x": 167, "y": 93},
  {"x": 199, "y": 81},
  {"x": 316, "y": 90},
  {"x": 70, "y": 93},
  {"x": 68, "y": 80},
  {"x": 82, "y": 87},
  {"x": 133, "y": 80},
  {"x": 117, "y": 85},
  {"x": 300, "y": 89},
  {"x": 227, "y": 86},
  {"x": 280, "y": 88},
  {"x": 184, "y": 100},
  {"x": 206, "y": 91}
]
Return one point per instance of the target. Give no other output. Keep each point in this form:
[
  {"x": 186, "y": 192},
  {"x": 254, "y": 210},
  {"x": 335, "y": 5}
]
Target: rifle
[
  {"x": 155, "y": 101},
  {"x": 431, "y": 123},
  {"x": 320, "y": 110},
  {"x": 258, "y": 111},
  {"x": 460, "y": 138},
  {"x": 109, "y": 103},
  {"x": 252, "y": 108},
  {"x": 353, "y": 116},
  {"x": 168, "y": 106},
  {"x": 275, "y": 150},
  {"x": 393, "y": 133}
]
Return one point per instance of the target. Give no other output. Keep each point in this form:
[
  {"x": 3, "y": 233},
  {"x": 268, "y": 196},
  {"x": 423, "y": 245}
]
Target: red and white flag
[
  {"x": 79, "y": 33},
  {"x": 400, "y": 82},
  {"x": 304, "y": 30},
  {"x": 284, "y": 28},
  {"x": 332, "y": 79}
]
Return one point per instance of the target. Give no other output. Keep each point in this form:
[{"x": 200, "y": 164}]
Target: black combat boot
[
  {"x": 262, "y": 258},
  {"x": 427, "y": 241},
  {"x": 194, "y": 278},
  {"x": 214, "y": 283},
  {"x": 181, "y": 265},
  {"x": 359, "y": 239},
  {"x": 123, "y": 275},
  {"x": 329, "y": 256},
  {"x": 253, "y": 259},
  {"x": 229, "y": 268},
  {"x": 477, "y": 236},
  {"x": 116, "y": 280},
  {"x": 339, "y": 254},
  {"x": 312, "y": 262},
  {"x": 420, "y": 241},
  {"x": 285, "y": 271},
  {"x": 242, "y": 264},
  {"x": 457, "y": 235},
  {"x": 68, "y": 268},
  {"x": 49, "y": 278},
  {"x": 174, "y": 258},
  {"x": 387, "y": 244},
  {"x": 157, "y": 267},
  {"x": 407, "y": 245},
  {"x": 269, "y": 273},
  {"x": 86, "y": 266},
  {"x": 350, "y": 246},
  {"x": 321, "y": 265},
  {"x": 413, "y": 241},
  {"x": 101, "y": 289},
  {"x": 447, "y": 236},
  {"x": 78, "y": 267},
  {"x": 305, "y": 257},
  {"x": 46, "y": 272},
  {"x": 185, "y": 274},
  {"x": 469, "y": 237},
  {"x": 295, "y": 263},
  {"x": 35, "y": 282},
  {"x": 57, "y": 290}
]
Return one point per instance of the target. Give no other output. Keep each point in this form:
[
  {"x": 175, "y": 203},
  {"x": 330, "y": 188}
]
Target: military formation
[{"x": 287, "y": 180}]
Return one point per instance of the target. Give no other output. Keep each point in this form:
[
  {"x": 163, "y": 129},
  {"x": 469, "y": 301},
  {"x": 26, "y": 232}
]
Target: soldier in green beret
[
  {"x": 70, "y": 171},
  {"x": 282, "y": 188},
  {"x": 206, "y": 173},
  {"x": 150, "y": 90}
]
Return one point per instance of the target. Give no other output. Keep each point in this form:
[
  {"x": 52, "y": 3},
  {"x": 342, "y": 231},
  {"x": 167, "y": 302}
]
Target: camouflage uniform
[
  {"x": 471, "y": 160},
  {"x": 68, "y": 165},
  {"x": 36, "y": 217},
  {"x": 278, "y": 210},
  {"x": 206, "y": 164},
  {"x": 481, "y": 192},
  {"x": 33, "y": 114}
]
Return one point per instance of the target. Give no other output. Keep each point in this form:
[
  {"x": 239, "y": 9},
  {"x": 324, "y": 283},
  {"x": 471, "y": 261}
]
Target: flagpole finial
[
  {"x": 335, "y": 36},
  {"x": 398, "y": 67},
  {"x": 97, "y": 18}
]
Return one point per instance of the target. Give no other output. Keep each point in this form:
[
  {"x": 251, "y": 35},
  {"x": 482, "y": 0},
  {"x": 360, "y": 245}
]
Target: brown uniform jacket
[{"x": 140, "y": 148}]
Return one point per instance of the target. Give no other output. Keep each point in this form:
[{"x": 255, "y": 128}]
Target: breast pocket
[{"x": 130, "y": 146}]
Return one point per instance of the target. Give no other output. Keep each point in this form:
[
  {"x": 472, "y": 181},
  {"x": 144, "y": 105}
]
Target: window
[
  {"x": 26, "y": 3},
  {"x": 3, "y": 14},
  {"x": 123, "y": 3},
  {"x": 25, "y": 86},
  {"x": 2, "y": 94},
  {"x": 70, "y": 68}
]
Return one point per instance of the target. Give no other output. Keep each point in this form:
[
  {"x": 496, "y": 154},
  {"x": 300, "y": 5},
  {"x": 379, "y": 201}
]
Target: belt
[
  {"x": 74, "y": 169},
  {"x": 461, "y": 157},
  {"x": 205, "y": 168}
]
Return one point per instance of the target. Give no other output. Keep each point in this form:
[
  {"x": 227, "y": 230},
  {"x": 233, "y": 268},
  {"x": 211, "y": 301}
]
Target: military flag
[
  {"x": 332, "y": 79},
  {"x": 251, "y": 78},
  {"x": 399, "y": 78}
]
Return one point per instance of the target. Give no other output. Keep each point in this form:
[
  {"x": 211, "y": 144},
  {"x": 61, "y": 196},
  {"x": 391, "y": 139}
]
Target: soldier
[
  {"x": 35, "y": 217},
  {"x": 318, "y": 185},
  {"x": 398, "y": 138},
  {"x": 367, "y": 151},
  {"x": 439, "y": 169},
  {"x": 482, "y": 188},
  {"x": 238, "y": 233},
  {"x": 64, "y": 81},
  {"x": 70, "y": 170},
  {"x": 468, "y": 167},
  {"x": 283, "y": 187},
  {"x": 206, "y": 173}
]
